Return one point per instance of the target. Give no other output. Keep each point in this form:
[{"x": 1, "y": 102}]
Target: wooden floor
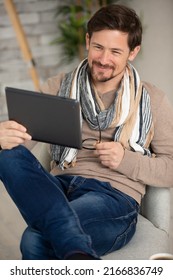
[{"x": 12, "y": 226}]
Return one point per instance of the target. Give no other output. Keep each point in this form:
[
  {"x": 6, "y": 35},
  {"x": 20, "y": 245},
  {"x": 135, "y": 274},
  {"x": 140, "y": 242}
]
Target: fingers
[
  {"x": 104, "y": 148},
  {"x": 110, "y": 154},
  {"x": 12, "y": 125},
  {"x": 12, "y": 134},
  {"x": 103, "y": 152}
]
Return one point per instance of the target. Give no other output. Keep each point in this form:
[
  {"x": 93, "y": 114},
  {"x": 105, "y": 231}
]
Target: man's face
[{"x": 108, "y": 53}]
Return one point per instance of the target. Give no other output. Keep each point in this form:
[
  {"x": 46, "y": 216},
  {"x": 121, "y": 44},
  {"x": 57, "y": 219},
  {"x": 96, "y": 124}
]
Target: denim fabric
[{"x": 65, "y": 214}]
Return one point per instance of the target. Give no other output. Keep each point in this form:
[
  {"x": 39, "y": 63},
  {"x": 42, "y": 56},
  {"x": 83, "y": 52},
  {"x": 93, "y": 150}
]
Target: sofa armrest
[
  {"x": 41, "y": 152},
  {"x": 156, "y": 206}
]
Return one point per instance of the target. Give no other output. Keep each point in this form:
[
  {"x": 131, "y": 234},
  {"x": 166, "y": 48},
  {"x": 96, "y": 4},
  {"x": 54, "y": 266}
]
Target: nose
[{"x": 105, "y": 57}]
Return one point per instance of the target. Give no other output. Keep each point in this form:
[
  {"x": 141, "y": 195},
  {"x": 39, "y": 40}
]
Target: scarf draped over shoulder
[{"x": 130, "y": 113}]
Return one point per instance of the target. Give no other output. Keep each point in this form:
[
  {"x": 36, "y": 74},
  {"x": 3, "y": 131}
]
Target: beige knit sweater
[{"x": 135, "y": 171}]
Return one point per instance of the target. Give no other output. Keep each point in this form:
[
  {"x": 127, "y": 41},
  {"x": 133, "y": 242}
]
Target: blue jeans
[{"x": 65, "y": 214}]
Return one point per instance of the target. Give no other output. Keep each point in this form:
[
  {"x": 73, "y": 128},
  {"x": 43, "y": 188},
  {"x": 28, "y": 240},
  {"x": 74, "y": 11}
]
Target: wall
[
  {"x": 155, "y": 61},
  {"x": 39, "y": 24}
]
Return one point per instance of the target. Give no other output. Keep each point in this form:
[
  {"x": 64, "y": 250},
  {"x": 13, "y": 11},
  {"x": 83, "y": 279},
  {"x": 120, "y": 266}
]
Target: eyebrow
[{"x": 112, "y": 49}]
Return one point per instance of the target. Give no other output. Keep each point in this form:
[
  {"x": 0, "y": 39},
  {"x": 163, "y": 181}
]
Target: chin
[
  {"x": 99, "y": 77},
  {"x": 103, "y": 79}
]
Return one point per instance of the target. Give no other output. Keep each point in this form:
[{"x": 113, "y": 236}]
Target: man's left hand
[{"x": 110, "y": 153}]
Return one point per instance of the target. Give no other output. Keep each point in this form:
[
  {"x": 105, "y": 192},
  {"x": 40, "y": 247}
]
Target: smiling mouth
[{"x": 102, "y": 66}]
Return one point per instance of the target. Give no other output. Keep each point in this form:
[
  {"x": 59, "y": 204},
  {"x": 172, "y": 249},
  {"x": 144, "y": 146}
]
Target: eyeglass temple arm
[{"x": 100, "y": 136}]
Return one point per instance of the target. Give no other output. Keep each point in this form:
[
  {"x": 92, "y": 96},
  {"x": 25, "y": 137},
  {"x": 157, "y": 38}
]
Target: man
[{"x": 88, "y": 205}]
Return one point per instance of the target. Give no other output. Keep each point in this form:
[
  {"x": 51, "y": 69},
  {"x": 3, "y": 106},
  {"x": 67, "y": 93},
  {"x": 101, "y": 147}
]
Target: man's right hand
[{"x": 12, "y": 134}]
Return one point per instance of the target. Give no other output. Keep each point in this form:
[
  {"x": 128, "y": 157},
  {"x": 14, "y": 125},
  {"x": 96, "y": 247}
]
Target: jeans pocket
[{"x": 75, "y": 184}]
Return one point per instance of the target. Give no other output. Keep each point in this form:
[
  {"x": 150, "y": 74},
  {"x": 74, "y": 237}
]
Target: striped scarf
[{"x": 130, "y": 113}]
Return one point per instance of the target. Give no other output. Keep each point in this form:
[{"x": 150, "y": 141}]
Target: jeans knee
[
  {"x": 28, "y": 244},
  {"x": 12, "y": 160},
  {"x": 7, "y": 156},
  {"x": 34, "y": 247}
]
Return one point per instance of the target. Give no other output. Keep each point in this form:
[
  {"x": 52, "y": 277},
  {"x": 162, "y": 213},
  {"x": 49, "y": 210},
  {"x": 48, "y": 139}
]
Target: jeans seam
[
  {"x": 123, "y": 235},
  {"x": 73, "y": 185},
  {"x": 89, "y": 221},
  {"x": 126, "y": 197}
]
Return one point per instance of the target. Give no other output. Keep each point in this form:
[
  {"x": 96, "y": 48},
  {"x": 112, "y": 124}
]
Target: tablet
[{"x": 47, "y": 118}]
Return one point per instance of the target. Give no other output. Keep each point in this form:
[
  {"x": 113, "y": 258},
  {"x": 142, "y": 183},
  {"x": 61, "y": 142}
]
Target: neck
[{"x": 103, "y": 87}]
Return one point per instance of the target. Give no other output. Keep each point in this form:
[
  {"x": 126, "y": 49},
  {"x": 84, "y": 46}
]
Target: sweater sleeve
[
  {"x": 156, "y": 170},
  {"x": 52, "y": 85}
]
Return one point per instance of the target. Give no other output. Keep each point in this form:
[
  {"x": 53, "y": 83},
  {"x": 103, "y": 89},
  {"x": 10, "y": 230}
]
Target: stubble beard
[{"x": 99, "y": 76}]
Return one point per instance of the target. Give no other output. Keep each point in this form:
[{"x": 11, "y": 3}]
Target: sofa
[{"x": 151, "y": 237}]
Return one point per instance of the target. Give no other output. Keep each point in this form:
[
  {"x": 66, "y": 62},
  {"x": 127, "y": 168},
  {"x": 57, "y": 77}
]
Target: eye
[
  {"x": 98, "y": 47},
  {"x": 116, "y": 52}
]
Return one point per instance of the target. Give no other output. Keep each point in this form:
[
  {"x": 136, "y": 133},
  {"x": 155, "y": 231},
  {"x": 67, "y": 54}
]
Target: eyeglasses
[{"x": 89, "y": 143}]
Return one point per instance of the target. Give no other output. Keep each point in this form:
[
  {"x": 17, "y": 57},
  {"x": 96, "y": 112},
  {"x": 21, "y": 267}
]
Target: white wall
[{"x": 156, "y": 60}]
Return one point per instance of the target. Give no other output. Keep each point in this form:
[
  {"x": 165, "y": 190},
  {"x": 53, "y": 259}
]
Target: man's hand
[
  {"x": 110, "y": 153},
  {"x": 12, "y": 134}
]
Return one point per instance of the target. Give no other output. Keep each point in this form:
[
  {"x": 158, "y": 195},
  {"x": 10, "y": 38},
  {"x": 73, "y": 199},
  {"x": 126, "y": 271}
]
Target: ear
[
  {"x": 134, "y": 53},
  {"x": 87, "y": 40}
]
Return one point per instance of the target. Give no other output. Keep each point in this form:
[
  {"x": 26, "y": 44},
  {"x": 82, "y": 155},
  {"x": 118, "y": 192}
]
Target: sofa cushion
[{"x": 147, "y": 241}]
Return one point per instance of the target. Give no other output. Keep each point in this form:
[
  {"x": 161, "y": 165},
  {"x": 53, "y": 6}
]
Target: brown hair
[{"x": 117, "y": 17}]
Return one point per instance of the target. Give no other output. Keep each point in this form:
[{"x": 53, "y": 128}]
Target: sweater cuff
[{"x": 129, "y": 166}]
